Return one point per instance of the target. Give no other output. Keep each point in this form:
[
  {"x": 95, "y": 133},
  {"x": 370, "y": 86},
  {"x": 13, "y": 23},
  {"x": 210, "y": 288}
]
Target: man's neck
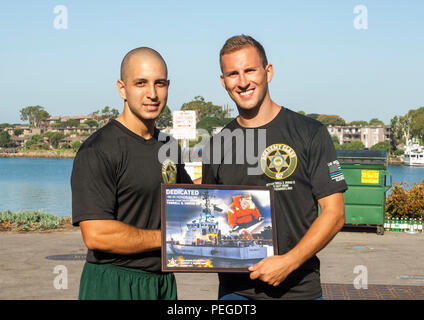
[
  {"x": 143, "y": 128},
  {"x": 259, "y": 116}
]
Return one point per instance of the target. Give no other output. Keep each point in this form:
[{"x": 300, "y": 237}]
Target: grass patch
[{"x": 31, "y": 221}]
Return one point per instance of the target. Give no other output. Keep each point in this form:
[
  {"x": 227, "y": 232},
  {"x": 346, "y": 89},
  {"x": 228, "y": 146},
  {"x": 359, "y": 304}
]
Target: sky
[{"x": 324, "y": 59}]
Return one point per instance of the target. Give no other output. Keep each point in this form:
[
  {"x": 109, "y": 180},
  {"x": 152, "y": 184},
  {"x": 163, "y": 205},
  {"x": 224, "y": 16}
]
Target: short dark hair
[
  {"x": 146, "y": 51},
  {"x": 236, "y": 43}
]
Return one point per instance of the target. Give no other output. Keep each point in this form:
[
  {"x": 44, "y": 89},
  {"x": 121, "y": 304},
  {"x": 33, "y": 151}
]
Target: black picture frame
[{"x": 216, "y": 228}]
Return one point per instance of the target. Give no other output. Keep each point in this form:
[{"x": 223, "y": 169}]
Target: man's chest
[{"x": 280, "y": 161}]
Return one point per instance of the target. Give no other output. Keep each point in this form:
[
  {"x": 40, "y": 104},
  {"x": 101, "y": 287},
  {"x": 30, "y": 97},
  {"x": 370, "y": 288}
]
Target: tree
[
  {"x": 18, "y": 132},
  {"x": 34, "y": 140},
  {"x": 54, "y": 138},
  {"x": 5, "y": 125},
  {"x": 301, "y": 112},
  {"x": 5, "y": 139},
  {"x": 358, "y": 123},
  {"x": 400, "y": 128},
  {"x": 376, "y": 122},
  {"x": 91, "y": 123},
  {"x": 109, "y": 113},
  {"x": 75, "y": 145},
  {"x": 336, "y": 142},
  {"x": 385, "y": 145},
  {"x": 417, "y": 122},
  {"x": 165, "y": 118},
  {"x": 333, "y": 120},
  {"x": 313, "y": 115},
  {"x": 96, "y": 114},
  {"x": 408, "y": 126},
  {"x": 72, "y": 123},
  {"x": 34, "y": 114},
  {"x": 105, "y": 114},
  {"x": 335, "y": 139},
  {"x": 204, "y": 108},
  {"x": 399, "y": 152},
  {"x": 354, "y": 145},
  {"x": 105, "y": 110}
]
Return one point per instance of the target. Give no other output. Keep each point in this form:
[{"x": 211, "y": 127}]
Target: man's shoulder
[
  {"x": 303, "y": 127},
  {"x": 102, "y": 140},
  {"x": 299, "y": 119}
]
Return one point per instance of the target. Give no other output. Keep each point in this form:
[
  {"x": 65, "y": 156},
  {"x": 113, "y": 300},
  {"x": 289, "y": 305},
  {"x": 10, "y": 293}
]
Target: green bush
[
  {"x": 75, "y": 145},
  {"x": 18, "y": 132},
  {"x": 54, "y": 138},
  {"x": 399, "y": 152},
  {"x": 406, "y": 203},
  {"x": 4, "y": 139},
  {"x": 385, "y": 145},
  {"x": 354, "y": 145},
  {"x": 30, "y": 220}
]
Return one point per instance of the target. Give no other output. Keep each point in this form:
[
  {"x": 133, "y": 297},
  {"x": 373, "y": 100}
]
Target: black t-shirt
[
  {"x": 117, "y": 176},
  {"x": 299, "y": 161}
]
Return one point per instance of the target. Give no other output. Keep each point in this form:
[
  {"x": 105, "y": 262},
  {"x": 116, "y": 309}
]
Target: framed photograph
[{"x": 216, "y": 228}]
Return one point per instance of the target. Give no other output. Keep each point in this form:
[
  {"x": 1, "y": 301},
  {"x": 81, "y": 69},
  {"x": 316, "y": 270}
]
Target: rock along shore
[{"x": 395, "y": 161}]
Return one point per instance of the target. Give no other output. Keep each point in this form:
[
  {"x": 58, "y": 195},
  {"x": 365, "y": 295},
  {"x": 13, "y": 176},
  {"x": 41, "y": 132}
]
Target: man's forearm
[
  {"x": 322, "y": 230},
  {"x": 118, "y": 237}
]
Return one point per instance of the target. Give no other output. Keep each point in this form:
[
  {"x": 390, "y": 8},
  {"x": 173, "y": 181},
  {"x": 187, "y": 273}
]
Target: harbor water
[{"x": 28, "y": 184}]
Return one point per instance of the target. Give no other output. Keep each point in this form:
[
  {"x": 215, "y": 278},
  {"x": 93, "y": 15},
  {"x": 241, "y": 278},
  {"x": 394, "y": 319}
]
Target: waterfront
[
  {"x": 36, "y": 184},
  {"x": 406, "y": 174},
  {"x": 44, "y": 184}
]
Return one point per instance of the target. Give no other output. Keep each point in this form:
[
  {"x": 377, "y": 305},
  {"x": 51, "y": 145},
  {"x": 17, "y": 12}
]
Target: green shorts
[{"x": 110, "y": 282}]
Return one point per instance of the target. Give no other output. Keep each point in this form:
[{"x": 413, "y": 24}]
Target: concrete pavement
[{"x": 28, "y": 263}]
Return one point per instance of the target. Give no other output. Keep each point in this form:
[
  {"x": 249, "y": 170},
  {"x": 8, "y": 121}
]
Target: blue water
[
  {"x": 407, "y": 174},
  {"x": 44, "y": 184},
  {"x": 36, "y": 184}
]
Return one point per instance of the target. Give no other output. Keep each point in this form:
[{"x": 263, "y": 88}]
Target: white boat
[{"x": 414, "y": 153}]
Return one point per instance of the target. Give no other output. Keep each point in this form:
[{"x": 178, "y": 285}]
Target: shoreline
[
  {"x": 35, "y": 154},
  {"x": 395, "y": 161},
  {"x": 67, "y": 155}
]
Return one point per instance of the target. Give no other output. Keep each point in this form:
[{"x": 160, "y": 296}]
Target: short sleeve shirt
[
  {"x": 117, "y": 176},
  {"x": 295, "y": 155}
]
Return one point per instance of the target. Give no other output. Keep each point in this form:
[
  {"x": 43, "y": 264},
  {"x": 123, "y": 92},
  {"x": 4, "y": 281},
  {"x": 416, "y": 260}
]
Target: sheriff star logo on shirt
[{"x": 278, "y": 161}]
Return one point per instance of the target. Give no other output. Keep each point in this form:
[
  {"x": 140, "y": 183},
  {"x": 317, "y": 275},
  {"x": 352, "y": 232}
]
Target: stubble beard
[{"x": 249, "y": 113}]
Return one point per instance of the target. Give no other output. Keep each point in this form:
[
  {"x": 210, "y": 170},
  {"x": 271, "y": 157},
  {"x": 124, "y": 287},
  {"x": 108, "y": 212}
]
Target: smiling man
[
  {"x": 116, "y": 181},
  {"x": 298, "y": 162}
]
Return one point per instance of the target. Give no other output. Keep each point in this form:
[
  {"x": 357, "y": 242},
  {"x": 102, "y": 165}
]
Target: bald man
[{"x": 116, "y": 181}]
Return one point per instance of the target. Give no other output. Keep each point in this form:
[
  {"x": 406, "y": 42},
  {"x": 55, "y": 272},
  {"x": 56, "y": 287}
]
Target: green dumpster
[{"x": 365, "y": 173}]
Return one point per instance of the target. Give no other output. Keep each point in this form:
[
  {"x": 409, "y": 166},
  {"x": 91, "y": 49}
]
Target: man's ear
[
  {"x": 121, "y": 89},
  {"x": 269, "y": 69},
  {"x": 223, "y": 81}
]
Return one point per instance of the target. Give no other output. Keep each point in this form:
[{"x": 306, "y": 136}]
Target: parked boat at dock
[{"x": 414, "y": 153}]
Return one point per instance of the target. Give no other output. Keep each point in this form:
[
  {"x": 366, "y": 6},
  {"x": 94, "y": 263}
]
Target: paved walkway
[
  {"x": 392, "y": 264},
  {"x": 373, "y": 292}
]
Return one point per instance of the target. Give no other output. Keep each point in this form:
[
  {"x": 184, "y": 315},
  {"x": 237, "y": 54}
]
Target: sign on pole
[{"x": 184, "y": 124}]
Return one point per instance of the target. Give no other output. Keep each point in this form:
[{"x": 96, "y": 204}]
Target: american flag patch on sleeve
[{"x": 336, "y": 172}]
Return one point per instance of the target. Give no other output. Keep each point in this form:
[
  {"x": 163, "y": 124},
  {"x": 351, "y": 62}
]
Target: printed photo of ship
[{"x": 208, "y": 229}]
